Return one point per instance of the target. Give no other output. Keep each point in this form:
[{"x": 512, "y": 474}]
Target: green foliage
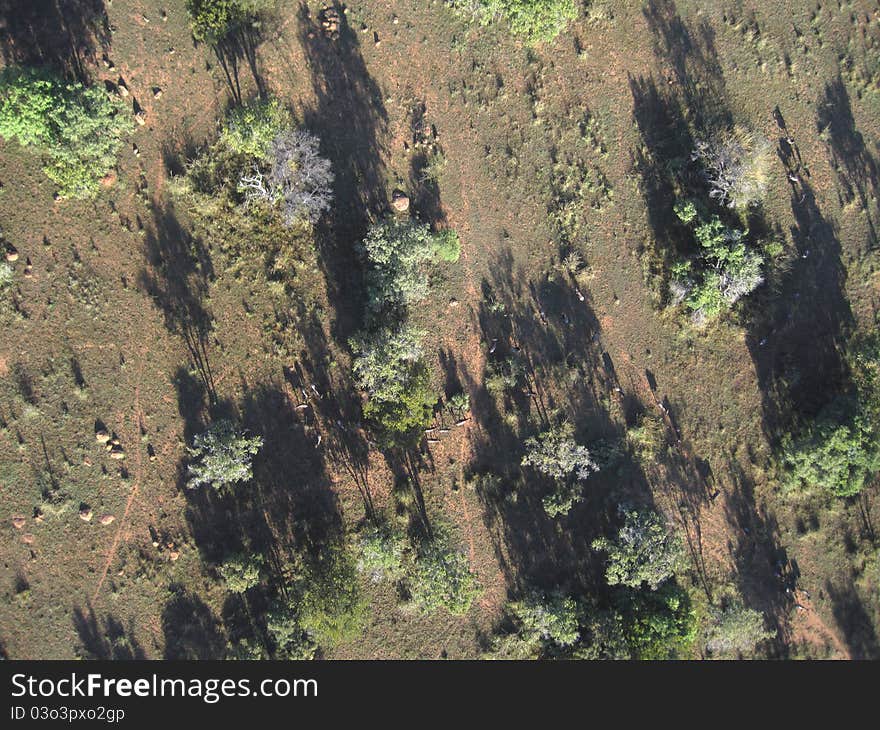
[
  {"x": 442, "y": 579},
  {"x": 388, "y": 366},
  {"x": 222, "y": 456},
  {"x": 725, "y": 271},
  {"x": 659, "y": 624},
  {"x": 250, "y": 129},
  {"x": 644, "y": 551},
  {"x": 648, "y": 438},
  {"x": 447, "y": 246},
  {"x": 736, "y": 630},
  {"x": 328, "y": 601},
  {"x": 240, "y": 572},
  {"x": 839, "y": 452},
  {"x": 397, "y": 252},
  {"x": 552, "y": 618},
  {"x": 291, "y": 640},
  {"x": 78, "y": 128},
  {"x": 212, "y": 20},
  {"x": 535, "y": 20},
  {"x": 557, "y": 455},
  {"x": 381, "y": 555},
  {"x": 7, "y": 276}
]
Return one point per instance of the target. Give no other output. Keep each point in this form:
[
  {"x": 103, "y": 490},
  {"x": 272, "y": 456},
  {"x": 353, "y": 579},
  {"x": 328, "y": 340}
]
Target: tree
[
  {"x": 556, "y": 454},
  {"x": 397, "y": 253},
  {"x": 644, "y": 551},
  {"x": 240, "y": 572},
  {"x": 552, "y": 618},
  {"x": 442, "y": 579},
  {"x": 300, "y": 178},
  {"x": 725, "y": 271},
  {"x": 251, "y": 129},
  {"x": 736, "y": 162},
  {"x": 222, "y": 456},
  {"x": 535, "y": 20},
  {"x": 388, "y": 366},
  {"x": 212, "y": 20},
  {"x": 839, "y": 451},
  {"x": 736, "y": 630},
  {"x": 79, "y": 128},
  {"x": 291, "y": 640}
]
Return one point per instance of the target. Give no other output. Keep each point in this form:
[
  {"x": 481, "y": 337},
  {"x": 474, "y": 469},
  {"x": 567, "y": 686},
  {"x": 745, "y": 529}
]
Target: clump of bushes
[
  {"x": 388, "y": 363},
  {"x": 432, "y": 573},
  {"x": 724, "y": 270},
  {"x": 213, "y": 20},
  {"x": 535, "y": 20},
  {"x": 645, "y": 551},
  {"x": 78, "y": 128},
  {"x": 839, "y": 450}
]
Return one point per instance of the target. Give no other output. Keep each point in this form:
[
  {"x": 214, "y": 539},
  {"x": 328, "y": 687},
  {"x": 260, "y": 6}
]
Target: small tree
[
  {"x": 78, "y": 128},
  {"x": 552, "y": 618},
  {"x": 442, "y": 579},
  {"x": 397, "y": 253},
  {"x": 736, "y": 163},
  {"x": 240, "y": 572},
  {"x": 645, "y": 551},
  {"x": 291, "y": 640},
  {"x": 736, "y": 630},
  {"x": 222, "y": 456},
  {"x": 250, "y": 129},
  {"x": 556, "y": 454},
  {"x": 300, "y": 178}
]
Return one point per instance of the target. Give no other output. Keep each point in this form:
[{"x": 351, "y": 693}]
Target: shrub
[
  {"x": 222, "y": 456},
  {"x": 839, "y": 452},
  {"x": 535, "y": 20},
  {"x": 552, "y": 618},
  {"x": 291, "y": 640},
  {"x": 728, "y": 270},
  {"x": 330, "y": 607},
  {"x": 79, "y": 128},
  {"x": 251, "y": 129},
  {"x": 380, "y": 555},
  {"x": 736, "y": 630},
  {"x": 658, "y": 624},
  {"x": 7, "y": 276},
  {"x": 644, "y": 551},
  {"x": 212, "y": 20},
  {"x": 448, "y": 246},
  {"x": 737, "y": 163},
  {"x": 442, "y": 579},
  {"x": 240, "y": 572},
  {"x": 397, "y": 253},
  {"x": 648, "y": 437}
]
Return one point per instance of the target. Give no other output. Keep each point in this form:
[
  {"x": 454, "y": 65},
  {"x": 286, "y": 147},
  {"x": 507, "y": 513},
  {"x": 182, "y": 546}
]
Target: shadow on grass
[
  {"x": 65, "y": 35},
  {"x": 105, "y": 639}
]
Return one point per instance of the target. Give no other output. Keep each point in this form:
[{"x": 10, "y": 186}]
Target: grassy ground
[{"x": 111, "y": 326}]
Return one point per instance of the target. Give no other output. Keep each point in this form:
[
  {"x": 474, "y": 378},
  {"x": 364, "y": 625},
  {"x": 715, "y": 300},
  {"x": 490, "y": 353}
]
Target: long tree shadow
[
  {"x": 177, "y": 277},
  {"x": 691, "y": 55},
  {"x": 239, "y": 46},
  {"x": 800, "y": 324},
  {"x": 191, "y": 629},
  {"x": 858, "y": 173},
  {"x": 105, "y": 639},
  {"x": 65, "y": 35},
  {"x": 854, "y": 620},
  {"x": 350, "y": 118}
]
